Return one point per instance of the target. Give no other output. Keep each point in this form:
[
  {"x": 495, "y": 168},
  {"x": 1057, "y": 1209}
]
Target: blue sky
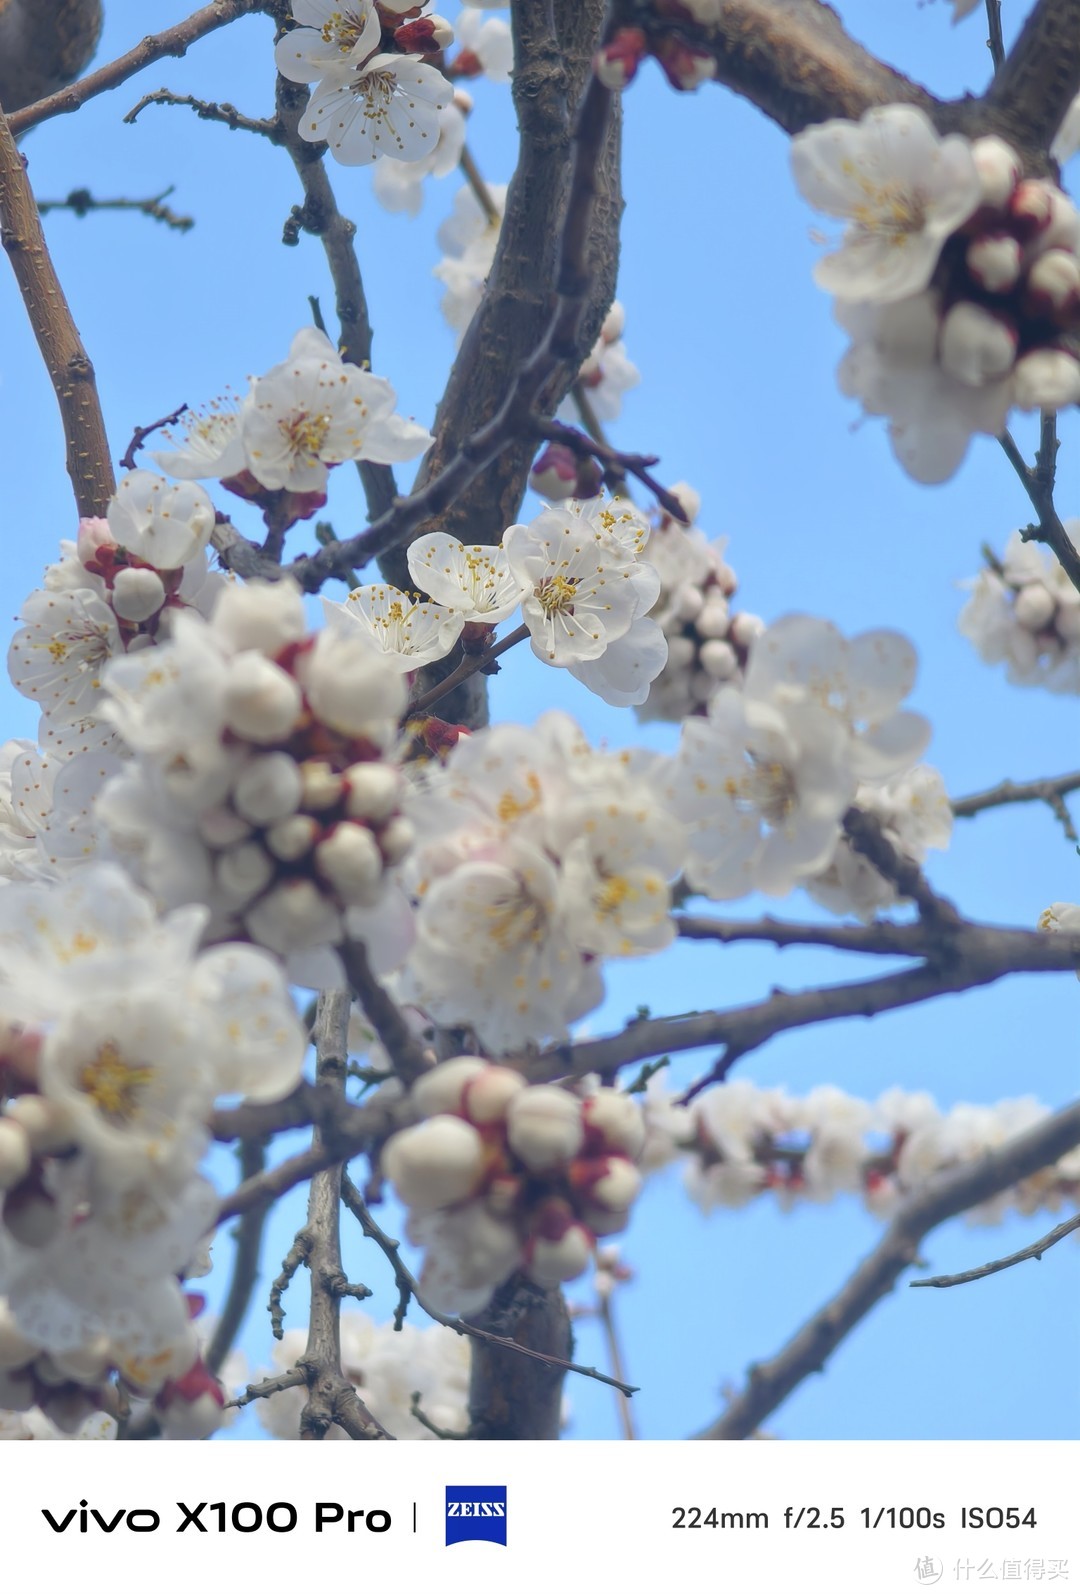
[{"x": 737, "y": 350}]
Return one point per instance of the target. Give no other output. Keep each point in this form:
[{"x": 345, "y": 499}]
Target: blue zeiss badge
[{"x": 476, "y": 1512}]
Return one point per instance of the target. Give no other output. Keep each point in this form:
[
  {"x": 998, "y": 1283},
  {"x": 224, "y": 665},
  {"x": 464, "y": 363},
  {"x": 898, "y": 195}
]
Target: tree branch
[
  {"x": 171, "y": 41},
  {"x": 245, "y": 1265},
  {"x": 331, "y": 1398},
  {"x": 1036, "y": 1250},
  {"x": 946, "y": 1195},
  {"x": 1052, "y": 791},
  {"x": 68, "y": 365},
  {"x": 1037, "y": 81},
  {"x": 1038, "y": 483}
]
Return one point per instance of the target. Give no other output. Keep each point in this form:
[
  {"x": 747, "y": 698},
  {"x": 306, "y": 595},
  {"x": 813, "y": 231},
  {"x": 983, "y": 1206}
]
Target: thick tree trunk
[{"x": 43, "y": 45}]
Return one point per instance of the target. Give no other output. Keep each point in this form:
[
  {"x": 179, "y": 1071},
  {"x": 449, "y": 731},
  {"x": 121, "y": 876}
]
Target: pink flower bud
[
  {"x": 191, "y": 1407},
  {"x": 616, "y": 63},
  {"x": 560, "y": 1247},
  {"x": 426, "y": 36},
  {"x": 434, "y": 1164},
  {"x": 685, "y": 67},
  {"x": 558, "y": 473},
  {"x": 93, "y": 534}
]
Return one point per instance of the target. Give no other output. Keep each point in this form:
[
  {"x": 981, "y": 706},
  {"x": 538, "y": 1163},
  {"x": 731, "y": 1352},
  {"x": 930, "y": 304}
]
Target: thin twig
[
  {"x": 996, "y": 41},
  {"x": 471, "y": 173},
  {"x": 211, "y": 111},
  {"x": 141, "y": 433},
  {"x": 245, "y": 1266},
  {"x": 407, "y": 1053},
  {"x": 1058, "y": 1233},
  {"x": 88, "y": 456},
  {"x": 171, "y": 41},
  {"x": 468, "y": 667},
  {"x": 614, "y": 461},
  {"x": 943, "y": 1197},
  {"x": 1038, "y": 483},
  {"x": 867, "y": 836},
  {"x": 298, "y": 1253},
  {"x": 269, "y": 1387},
  {"x": 407, "y": 1286},
  {"x": 1052, "y": 791},
  {"x": 81, "y": 202}
]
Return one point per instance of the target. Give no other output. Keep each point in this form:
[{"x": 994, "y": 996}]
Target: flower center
[
  {"x": 113, "y": 1084},
  {"x": 556, "y": 595},
  {"x": 344, "y": 29},
  {"x": 306, "y": 435}
]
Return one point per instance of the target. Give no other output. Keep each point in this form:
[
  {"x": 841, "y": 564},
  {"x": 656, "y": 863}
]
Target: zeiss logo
[{"x": 476, "y": 1512}]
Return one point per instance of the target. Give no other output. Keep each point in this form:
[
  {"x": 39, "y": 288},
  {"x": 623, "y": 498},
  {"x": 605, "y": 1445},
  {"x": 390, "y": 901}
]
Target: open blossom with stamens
[
  {"x": 334, "y": 37},
  {"x": 387, "y": 107},
  {"x": 407, "y": 632},
  {"x": 474, "y": 580},
  {"x": 485, "y": 45},
  {"x": 902, "y": 188},
  {"x": 315, "y": 410},
  {"x": 584, "y": 585},
  {"x": 208, "y": 443}
]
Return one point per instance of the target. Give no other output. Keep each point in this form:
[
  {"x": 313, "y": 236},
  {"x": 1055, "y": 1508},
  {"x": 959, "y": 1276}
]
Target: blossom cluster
[
  {"x": 304, "y": 416},
  {"x": 1025, "y": 612},
  {"x": 957, "y": 279},
  {"x": 117, "y": 1035},
  {"x": 258, "y": 783},
  {"x": 741, "y": 1141},
  {"x": 500, "y": 1175},
  {"x": 763, "y": 781},
  {"x": 374, "y": 96},
  {"x": 708, "y": 641},
  {"x": 536, "y": 859}
]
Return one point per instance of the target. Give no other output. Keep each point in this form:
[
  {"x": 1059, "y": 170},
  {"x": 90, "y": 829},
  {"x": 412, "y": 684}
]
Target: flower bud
[
  {"x": 260, "y": 702},
  {"x": 93, "y": 535},
  {"x": 613, "y": 1184},
  {"x": 998, "y": 167},
  {"x": 745, "y": 629},
  {"x": 294, "y": 915},
  {"x": 372, "y": 791},
  {"x": 191, "y": 1407},
  {"x": 558, "y": 473},
  {"x": 616, "y": 62},
  {"x": 441, "y": 1089},
  {"x": 426, "y": 36},
  {"x": 544, "y": 1126},
  {"x": 322, "y": 787},
  {"x": 487, "y": 1095},
  {"x": 290, "y": 839},
  {"x": 719, "y": 659},
  {"x": 613, "y": 1120},
  {"x": 243, "y": 871},
  {"x": 352, "y": 687},
  {"x": 1031, "y": 208},
  {"x": 977, "y": 346},
  {"x": 268, "y": 788},
  {"x": 350, "y": 861},
  {"x": 48, "y": 1124},
  {"x": 1053, "y": 285},
  {"x": 434, "y": 1164},
  {"x": 1046, "y": 379},
  {"x": 559, "y": 1248},
  {"x": 261, "y": 616},
  {"x": 685, "y": 67},
  {"x": 221, "y": 827},
  {"x": 1034, "y": 607},
  {"x": 994, "y": 260},
  {"x": 396, "y": 839},
  {"x": 137, "y": 593}
]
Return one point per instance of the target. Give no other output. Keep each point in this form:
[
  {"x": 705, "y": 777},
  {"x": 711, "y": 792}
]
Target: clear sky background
[{"x": 737, "y": 351}]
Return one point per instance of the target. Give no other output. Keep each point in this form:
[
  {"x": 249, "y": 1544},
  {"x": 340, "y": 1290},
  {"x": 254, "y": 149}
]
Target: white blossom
[
  {"x": 387, "y": 107},
  {"x": 335, "y": 36}
]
